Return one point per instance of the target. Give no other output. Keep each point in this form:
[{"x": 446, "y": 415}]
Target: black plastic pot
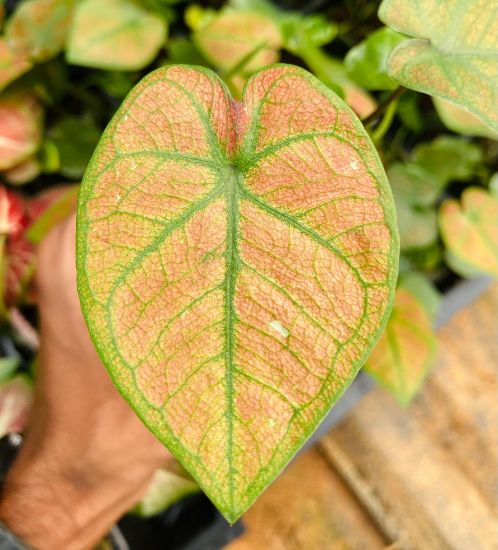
[{"x": 193, "y": 523}]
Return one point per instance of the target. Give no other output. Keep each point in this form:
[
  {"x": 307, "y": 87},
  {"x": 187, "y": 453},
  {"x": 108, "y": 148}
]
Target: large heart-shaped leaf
[
  {"x": 454, "y": 52},
  {"x": 236, "y": 263},
  {"x": 115, "y": 35},
  {"x": 470, "y": 232}
]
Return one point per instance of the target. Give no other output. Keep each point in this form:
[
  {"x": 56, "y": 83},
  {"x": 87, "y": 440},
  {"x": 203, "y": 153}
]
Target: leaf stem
[
  {"x": 395, "y": 95},
  {"x": 385, "y": 123}
]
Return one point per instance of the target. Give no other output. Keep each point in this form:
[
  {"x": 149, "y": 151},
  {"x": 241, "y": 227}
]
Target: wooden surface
[{"x": 425, "y": 477}]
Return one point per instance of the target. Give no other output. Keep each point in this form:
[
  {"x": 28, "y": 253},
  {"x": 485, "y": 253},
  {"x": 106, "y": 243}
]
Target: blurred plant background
[{"x": 66, "y": 65}]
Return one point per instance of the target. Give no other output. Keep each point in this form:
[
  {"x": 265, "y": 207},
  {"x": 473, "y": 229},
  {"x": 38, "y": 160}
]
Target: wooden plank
[
  {"x": 428, "y": 475},
  {"x": 308, "y": 507}
]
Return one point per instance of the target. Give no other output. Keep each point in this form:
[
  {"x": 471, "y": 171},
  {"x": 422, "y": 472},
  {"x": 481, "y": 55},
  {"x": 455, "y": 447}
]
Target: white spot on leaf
[
  {"x": 354, "y": 164},
  {"x": 277, "y": 325}
]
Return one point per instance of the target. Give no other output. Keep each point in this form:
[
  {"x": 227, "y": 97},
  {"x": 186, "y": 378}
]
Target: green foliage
[
  {"x": 448, "y": 158},
  {"x": 366, "y": 63},
  {"x": 75, "y": 139},
  {"x": 415, "y": 195}
]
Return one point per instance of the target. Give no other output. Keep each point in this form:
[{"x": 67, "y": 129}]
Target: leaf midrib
[{"x": 232, "y": 195}]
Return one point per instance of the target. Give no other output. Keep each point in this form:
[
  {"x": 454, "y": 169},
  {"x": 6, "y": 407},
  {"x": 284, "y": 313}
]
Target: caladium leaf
[
  {"x": 12, "y": 64},
  {"x": 470, "y": 232},
  {"x": 42, "y": 213},
  {"x": 232, "y": 36},
  {"x": 235, "y": 265},
  {"x": 461, "y": 121},
  {"x": 13, "y": 219},
  {"x": 20, "y": 128},
  {"x": 406, "y": 351},
  {"x": 239, "y": 42},
  {"x": 115, "y": 35},
  {"x": 38, "y": 28},
  {"x": 24, "y": 172},
  {"x": 453, "y": 54}
]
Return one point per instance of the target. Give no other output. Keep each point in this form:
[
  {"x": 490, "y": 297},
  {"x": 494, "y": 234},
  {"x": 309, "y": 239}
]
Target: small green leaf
[
  {"x": 415, "y": 192},
  {"x": 470, "y": 232},
  {"x": 38, "y": 28},
  {"x": 313, "y": 30},
  {"x": 182, "y": 51},
  {"x": 8, "y": 365},
  {"x": 236, "y": 263},
  {"x": 448, "y": 158},
  {"x": 75, "y": 139},
  {"x": 366, "y": 63},
  {"x": 461, "y": 121},
  {"x": 406, "y": 351},
  {"x": 453, "y": 54},
  {"x": 115, "y": 35}
]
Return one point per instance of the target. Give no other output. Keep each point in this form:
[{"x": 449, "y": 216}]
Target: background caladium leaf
[
  {"x": 233, "y": 36},
  {"x": 115, "y": 35},
  {"x": 453, "y": 54},
  {"x": 235, "y": 265},
  {"x": 40, "y": 214},
  {"x": 238, "y": 43},
  {"x": 461, "y": 121},
  {"x": 301, "y": 40},
  {"x": 24, "y": 172},
  {"x": 20, "y": 128},
  {"x": 12, "y": 64},
  {"x": 406, "y": 351},
  {"x": 470, "y": 232},
  {"x": 38, "y": 28},
  {"x": 366, "y": 62}
]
